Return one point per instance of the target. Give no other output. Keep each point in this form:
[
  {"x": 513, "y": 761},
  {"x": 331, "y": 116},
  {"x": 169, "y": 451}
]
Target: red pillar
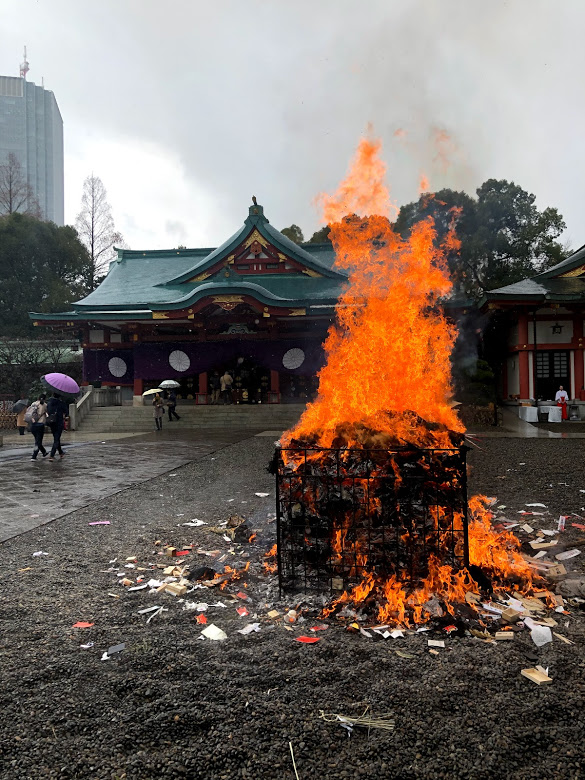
[
  {"x": 523, "y": 356},
  {"x": 579, "y": 367},
  {"x": 138, "y": 386},
  {"x": 203, "y": 382},
  {"x": 275, "y": 386}
]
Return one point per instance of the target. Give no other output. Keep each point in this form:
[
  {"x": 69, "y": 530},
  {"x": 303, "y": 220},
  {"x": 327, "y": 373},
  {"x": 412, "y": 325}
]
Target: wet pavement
[{"x": 33, "y": 493}]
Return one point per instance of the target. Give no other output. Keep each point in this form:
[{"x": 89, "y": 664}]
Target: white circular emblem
[
  {"x": 117, "y": 366},
  {"x": 179, "y": 360},
  {"x": 293, "y": 358}
]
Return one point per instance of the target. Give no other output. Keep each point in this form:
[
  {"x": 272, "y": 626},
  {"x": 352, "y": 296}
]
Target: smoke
[{"x": 270, "y": 98}]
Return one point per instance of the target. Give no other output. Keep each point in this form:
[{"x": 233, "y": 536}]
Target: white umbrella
[
  {"x": 168, "y": 384},
  {"x": 152, "y": 392}
]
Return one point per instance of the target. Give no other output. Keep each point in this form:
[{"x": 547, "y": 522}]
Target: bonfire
[{"x": 372, "y": 478}]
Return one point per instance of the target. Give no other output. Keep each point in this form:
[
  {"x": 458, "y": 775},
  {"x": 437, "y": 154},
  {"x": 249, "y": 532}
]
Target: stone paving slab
[{"x": 33, "y": 493}]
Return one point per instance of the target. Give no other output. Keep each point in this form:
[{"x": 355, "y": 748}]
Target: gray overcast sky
[{"x": 186, "y": 108}]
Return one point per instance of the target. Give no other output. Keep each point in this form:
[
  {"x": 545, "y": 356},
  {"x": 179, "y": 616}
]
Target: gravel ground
[{"x": 172, "y": 706}]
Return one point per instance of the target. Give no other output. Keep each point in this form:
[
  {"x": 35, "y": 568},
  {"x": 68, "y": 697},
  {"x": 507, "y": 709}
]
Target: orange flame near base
[{"x": 495, "y": 553}]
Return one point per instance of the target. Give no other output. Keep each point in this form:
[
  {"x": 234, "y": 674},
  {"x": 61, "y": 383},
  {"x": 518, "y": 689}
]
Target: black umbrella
[{"x": 19, "y": 405}]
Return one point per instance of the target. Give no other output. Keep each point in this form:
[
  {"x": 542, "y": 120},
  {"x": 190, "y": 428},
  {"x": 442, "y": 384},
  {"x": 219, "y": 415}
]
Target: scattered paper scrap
[
  {"x": 242, "y": 595},
  {"x": 105, "y": 657},
  {"x": 402, "y": 654},
  {"x": 262, "y": 495},
  {"x": 502, "y": 635},
  {"x": 194, "y": 523},
  {"x": 541, "y": 635},
  {"x": 543, "y": 545},
  {"x": 307, "y": 640},
  {"x": 90, "y": 644},
  {"x": 435, "y": 643},
  {"x": 564, "y": 556},
  {"x": 251, "y": 627},
  {"x": 215, "y": 633},
  {"x": 537, "y": 675},
  {"x": 242, "y": 611},
  {"x": 397, "y": 633},
  {"x": 274, "y": 613},
  {"x": 536, "y": 504},
  {"x": 100, "y": 522},
  {"x": 138, "y": 587},
  {"x": 81, "y": 624},
  {"x": 39, "y": 554},
  {"x": 201, "y": 619},
  {"x": 527, "y": 528},
  {"x": 318, "y": 628},
  {"x": 116, "y": 648}
]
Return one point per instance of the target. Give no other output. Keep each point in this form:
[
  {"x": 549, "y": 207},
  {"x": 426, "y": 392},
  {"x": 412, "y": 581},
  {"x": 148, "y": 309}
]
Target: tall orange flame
[{"x": 390, "y": 349}]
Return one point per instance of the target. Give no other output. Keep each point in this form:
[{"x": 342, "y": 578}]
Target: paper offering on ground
[
  {"x": 542, "y": 505},
  {"x": 541, "y": 635},
  {"x": 527, "y": 528},
  {"x": 262, "y": 495},
  {"x": 564, "y": 556},
  {"x": 435, "y": 643},
  {"x": 249, "y": 628},
  {"x": 195, "y": 523},
  {"x": 213, "y": 632}
]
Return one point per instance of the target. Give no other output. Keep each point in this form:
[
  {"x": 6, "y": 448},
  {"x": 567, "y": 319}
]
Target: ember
[{"x": 371, "y": 483}]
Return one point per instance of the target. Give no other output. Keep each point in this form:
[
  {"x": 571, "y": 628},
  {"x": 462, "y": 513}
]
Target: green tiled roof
[{"x": 139, "y": 282}]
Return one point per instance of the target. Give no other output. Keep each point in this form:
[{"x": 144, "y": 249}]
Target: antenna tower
[{"x": 24, "y": 69}]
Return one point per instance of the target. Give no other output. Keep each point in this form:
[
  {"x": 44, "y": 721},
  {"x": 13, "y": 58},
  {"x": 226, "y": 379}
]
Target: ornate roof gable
[{"x": 256, "y": 249}]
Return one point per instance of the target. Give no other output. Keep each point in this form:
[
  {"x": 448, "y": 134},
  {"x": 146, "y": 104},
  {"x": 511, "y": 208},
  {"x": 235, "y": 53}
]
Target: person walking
[
  {"x": 226, "y": 387},
  {"x": 214, "y": 386},
  {"x": 57, "y": 411},
  {"x": 158, "y": 410},
  {"x": 172, "y": 405},
  {"x": 37, "y": 412},
  {"x": 20, "y": 421}
]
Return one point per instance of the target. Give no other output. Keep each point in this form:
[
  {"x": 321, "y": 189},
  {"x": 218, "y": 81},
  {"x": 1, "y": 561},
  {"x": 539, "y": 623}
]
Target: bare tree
[
  {"x": 16, "y": 194},
  {"x": 95, "y": 226}
]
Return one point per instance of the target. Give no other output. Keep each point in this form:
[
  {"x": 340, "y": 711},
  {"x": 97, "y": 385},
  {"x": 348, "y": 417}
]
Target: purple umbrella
[{"x": 61, "y": 383}]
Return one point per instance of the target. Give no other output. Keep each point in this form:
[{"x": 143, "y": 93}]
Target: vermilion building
[{"x": 543, "y": 319}]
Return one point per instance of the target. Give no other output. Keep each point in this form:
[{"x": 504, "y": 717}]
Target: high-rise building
[{"x": 31, "y": 128}]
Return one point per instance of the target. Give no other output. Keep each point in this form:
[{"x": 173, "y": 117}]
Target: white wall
[{"x": 544, "y": 334}]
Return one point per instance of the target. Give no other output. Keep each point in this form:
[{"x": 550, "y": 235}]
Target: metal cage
[{"x": 343, "y": 514}]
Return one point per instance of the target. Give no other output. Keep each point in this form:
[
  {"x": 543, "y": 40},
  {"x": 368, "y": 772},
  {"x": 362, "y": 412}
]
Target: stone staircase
[{"x": 139, "y": 419}]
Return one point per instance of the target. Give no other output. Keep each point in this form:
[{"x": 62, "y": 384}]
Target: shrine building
[
  {"x": 259, "y": 306},
  {"x": 542, "y": 322}
]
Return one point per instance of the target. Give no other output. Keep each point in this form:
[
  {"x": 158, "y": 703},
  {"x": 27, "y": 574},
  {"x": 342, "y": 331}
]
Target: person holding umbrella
[
  {"x": 57, "y": 411},
  {"x": 19, "y": 409},
  {"x": 170, "y": 385},
  {"x": 158, "y": 411}
]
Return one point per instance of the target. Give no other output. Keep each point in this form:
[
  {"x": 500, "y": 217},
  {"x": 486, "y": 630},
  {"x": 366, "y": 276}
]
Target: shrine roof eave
[
  {"x": 92, "y": 314},
  {"x": 574, "y": 261},
  {"x": 262, "y": 294}
]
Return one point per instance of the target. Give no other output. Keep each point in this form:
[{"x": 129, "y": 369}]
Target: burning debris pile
[{"x": 372, "y": 480}]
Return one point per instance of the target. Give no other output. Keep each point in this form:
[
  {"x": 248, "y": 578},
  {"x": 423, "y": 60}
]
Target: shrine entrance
[{"x": 552, "y": 370}]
